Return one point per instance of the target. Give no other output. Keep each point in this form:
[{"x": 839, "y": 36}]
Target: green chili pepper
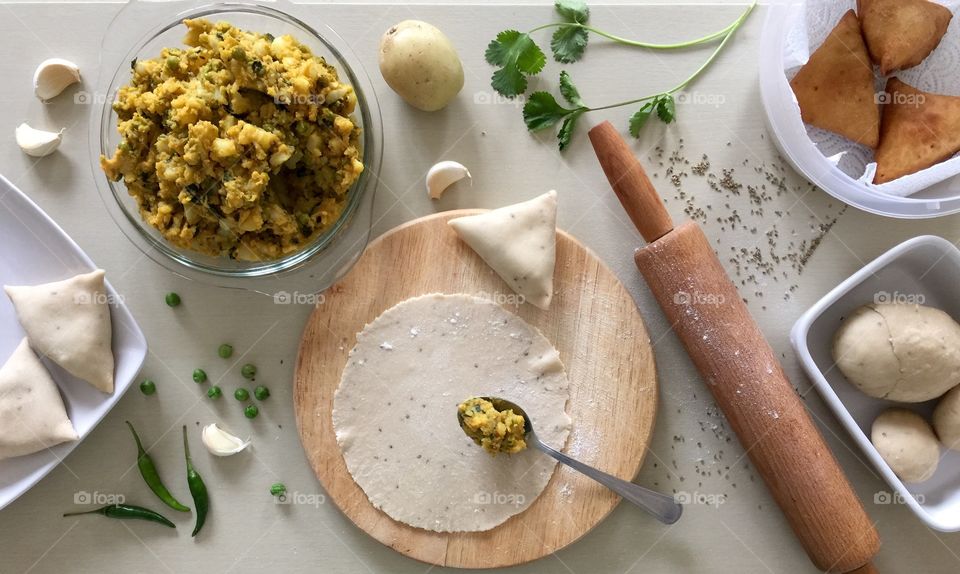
[
  {"x": 127, "y": 511},
  {"x": 197, "y": 488},
  {"x": 150, "y": 475}
]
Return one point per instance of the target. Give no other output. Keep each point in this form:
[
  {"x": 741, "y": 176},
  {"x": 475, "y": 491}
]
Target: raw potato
[
  {"x": 419, "y": 63},
  {"x": 907, "y": 443},
  {"x": 906, "y": 353},
  {"x": 946, "y": 419}
]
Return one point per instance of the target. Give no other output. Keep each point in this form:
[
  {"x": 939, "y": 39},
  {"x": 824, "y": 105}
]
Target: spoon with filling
[{"x": 499, "y": 425}]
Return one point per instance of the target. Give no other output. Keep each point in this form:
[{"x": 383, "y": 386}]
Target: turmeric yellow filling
[
  {"x": 495, "y": 431},
  {"x": 238, "y": 145}
]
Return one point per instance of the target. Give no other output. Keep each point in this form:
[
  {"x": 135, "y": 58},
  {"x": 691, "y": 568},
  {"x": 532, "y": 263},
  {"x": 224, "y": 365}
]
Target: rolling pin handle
[{"x": 630, "y": 182}]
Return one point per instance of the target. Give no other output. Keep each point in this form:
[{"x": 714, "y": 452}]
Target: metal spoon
[{"x": 664, "y": 508}]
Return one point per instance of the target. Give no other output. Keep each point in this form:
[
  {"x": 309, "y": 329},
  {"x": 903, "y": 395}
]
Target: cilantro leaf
[
  {"x": 566, "y": 128},
  {"x": 573, "y": 10},
  {"x": 518, "y": 56},
  {"x": 666, "y": 108},
  {"x": 542, "y": 111},
  {"x": 568, "y": 43},
  {"x": 569, "y": 91},
  {"x": 640, "y": 117}
]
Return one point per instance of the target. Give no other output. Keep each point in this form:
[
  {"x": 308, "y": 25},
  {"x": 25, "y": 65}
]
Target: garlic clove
[
  {"x": 53, "y": 76},
  {"x": 37, "y": 143},
  {"x": 221, "y": 443},
  {"x": 443, "y": 175}
]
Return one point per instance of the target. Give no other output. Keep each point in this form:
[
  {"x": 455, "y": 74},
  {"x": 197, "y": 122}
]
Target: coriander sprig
[
  {"x": 517, "y": 56},
  {"x": 542, "y": 110}
]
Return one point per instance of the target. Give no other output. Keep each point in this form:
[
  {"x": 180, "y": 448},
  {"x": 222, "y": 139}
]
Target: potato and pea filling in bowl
[{"x": 239, "y": 145}]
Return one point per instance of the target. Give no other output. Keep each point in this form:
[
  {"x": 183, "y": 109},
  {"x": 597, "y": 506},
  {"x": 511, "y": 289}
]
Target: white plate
[
  {"x": 790, "y": 136},
  {"x": 923, "y": 270},
  {"x": 33, "y": 250}
]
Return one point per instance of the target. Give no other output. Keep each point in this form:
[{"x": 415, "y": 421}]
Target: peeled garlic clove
[
  {"x": 443, "y": 175},
  {"x": 53, "y": 76},
  {"x": 37, "y": 143},
  {"x": 221, "y": 443}
]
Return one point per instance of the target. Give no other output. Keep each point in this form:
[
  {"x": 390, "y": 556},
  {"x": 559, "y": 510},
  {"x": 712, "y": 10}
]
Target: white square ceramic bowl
[
  {"x": 33, "y": 250},
  {"x": 925, "y": 270}
]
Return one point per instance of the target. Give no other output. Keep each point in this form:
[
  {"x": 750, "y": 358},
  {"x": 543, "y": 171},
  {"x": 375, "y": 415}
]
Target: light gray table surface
[{"x": 690, "y": 451}]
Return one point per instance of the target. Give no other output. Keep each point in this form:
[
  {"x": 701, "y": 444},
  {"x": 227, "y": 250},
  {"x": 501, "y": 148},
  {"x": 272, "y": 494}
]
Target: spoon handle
[{"x": 664, "y": 508}]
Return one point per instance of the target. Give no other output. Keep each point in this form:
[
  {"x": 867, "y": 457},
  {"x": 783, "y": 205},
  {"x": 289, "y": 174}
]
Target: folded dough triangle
[
  {"x": 919, "y": 129},
  {"x": 901, "y": 33},
  {"x": 32, "y": 415},
  {"x": 519, "y": 242},
  {"x": 69, "y": 322},
  {"x": 835, "y": 87}
]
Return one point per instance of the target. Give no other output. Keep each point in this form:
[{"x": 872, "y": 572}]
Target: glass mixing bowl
[{"x": 328, "y": 256}]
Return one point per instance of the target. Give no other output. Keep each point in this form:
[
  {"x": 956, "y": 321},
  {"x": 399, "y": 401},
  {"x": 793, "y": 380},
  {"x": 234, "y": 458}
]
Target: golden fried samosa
[
  {"x": 918, "y": 130},
  {"x": 835, "y": 87},
  {"x": 901, "y": 33}
]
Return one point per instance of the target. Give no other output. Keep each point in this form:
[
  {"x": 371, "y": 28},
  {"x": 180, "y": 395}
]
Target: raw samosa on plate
[
  {"x": 32, "y": 415},
  {"x": 69, "y": 322}
]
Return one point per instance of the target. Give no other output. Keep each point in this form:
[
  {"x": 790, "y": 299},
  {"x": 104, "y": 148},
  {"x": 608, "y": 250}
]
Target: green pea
[
  {"x": 214, "y": 392},
  {"x": 251, "y": 411},
  {"x": 148, "y": 387},
  {"x": 172, "y": 299},
  {"x": 173, "y": 63},
  {"x": 199, "y": 376},
  {"x": 225, "y": 351},
  {"x": 248, "y": 371},
  {"x": 278, "y": 489},
  {"x": 261, "y": 392},
  {"x": 241, "y": 394}
]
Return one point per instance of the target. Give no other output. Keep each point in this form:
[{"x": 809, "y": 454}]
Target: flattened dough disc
[{"x": 593, "y": 322}]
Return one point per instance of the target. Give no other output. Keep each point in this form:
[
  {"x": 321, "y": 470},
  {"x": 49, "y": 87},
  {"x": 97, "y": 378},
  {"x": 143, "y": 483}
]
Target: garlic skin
[
  {"x": 53, "y": 76},
  {"x": 221, "y": 443},
  {"x": 443, "y": 175},
  {"x": 37, "y": 143}
]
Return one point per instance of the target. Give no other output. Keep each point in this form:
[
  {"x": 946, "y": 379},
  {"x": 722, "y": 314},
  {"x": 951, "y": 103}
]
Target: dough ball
[
  {"x": 906, "y": 353},
  {"x": 907, "y": 443},
  {"x": 946, "y": 419}
]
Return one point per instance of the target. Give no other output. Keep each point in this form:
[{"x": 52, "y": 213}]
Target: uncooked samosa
[
  {"x": 519, "y": 242},
  {"x": 835, "y": 87},
  {"x": 919, "y": 130},
  {"x": 69, "y": 322},
  {"x": 901, "y": 33},
  {"x": 32, "y": 415}
]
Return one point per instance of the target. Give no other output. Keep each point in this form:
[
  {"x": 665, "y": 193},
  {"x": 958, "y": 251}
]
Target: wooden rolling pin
[{"x": 742, "y": 371}]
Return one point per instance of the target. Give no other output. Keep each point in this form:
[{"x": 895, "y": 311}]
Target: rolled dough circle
[{"x": 394, "y": 412}]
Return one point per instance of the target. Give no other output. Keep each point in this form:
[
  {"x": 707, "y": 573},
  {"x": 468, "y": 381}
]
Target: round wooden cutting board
[{"x": 592, "y": 321}]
